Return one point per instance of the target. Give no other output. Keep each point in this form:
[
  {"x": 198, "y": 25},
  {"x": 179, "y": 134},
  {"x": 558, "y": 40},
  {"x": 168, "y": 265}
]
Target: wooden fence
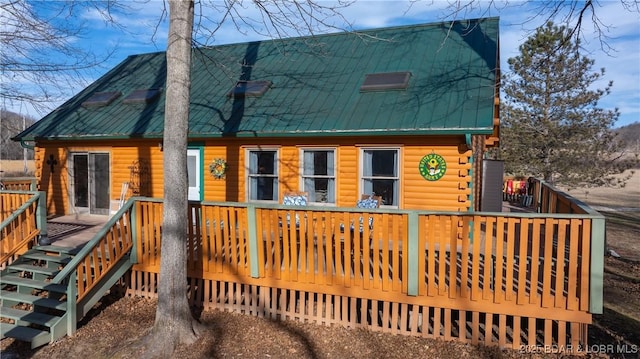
[{"x": 481, "y": 278}]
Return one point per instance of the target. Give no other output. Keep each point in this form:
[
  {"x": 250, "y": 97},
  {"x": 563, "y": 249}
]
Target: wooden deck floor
[{"x": 74, "y": 231}]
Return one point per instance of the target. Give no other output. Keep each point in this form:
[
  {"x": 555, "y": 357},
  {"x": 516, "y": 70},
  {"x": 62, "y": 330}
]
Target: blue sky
[{"x": 143, "y": 32}]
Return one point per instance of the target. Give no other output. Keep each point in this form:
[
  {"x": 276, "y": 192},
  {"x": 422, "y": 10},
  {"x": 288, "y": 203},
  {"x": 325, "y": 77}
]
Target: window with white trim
[
  {"x": 318, "y": 175},
  {"x": 380, "y": 174},
  {"x": 263, "y": 175}
]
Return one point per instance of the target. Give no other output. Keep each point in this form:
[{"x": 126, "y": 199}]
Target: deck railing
[
  {"x": 19, "y": 183},
  {"x": 493, "y": 278},
  {"x": 545, "y": 198},
  {"x": 22, "y": 219},
  {"x": 550, "y": 200},
  {"x": 496, "y": 278},
  {"x": 98, "y": 265}
]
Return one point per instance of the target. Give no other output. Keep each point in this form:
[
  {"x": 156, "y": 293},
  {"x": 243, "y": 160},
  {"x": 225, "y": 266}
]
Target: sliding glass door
[{"x": 91, "y": 182}]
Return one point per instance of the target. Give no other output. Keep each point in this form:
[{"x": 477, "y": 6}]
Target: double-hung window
[
  {"x": 380, "y": 174},
  {"x": 318, "y": 175},
  {"x": 263, "y": 175}
]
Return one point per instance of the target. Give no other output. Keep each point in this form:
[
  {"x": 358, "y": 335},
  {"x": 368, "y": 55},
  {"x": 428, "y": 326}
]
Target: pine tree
[{"x": 551, "y": 126}]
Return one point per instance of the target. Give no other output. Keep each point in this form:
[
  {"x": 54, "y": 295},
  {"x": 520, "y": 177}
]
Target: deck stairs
[{"x": 39, "y": 308}]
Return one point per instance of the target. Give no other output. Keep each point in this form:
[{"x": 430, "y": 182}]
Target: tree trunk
[{"x": 174, "y": 323}]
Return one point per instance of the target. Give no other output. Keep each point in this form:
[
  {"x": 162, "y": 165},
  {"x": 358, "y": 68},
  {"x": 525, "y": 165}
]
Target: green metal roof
[{"x": 315, "y": 87}]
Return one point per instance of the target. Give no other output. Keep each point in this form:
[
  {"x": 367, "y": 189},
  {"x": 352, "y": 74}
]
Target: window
[
  {"x": 142, "y": 96},
  {"x": 385, "y": 81},
  {"x": 380, "y": 174},
  {"x": 318, "y": 175},
  {"x": 100, "y": 99},
  {"x": 249, "y": 88},
  {"x": 263, "y": 175}
]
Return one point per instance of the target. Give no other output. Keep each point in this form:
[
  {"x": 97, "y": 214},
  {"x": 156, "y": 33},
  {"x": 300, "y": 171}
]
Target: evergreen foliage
[{"x": 551, "y": 125}]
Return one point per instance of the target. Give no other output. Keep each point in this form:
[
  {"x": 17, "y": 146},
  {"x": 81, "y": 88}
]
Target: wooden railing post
[
  {"x": 253, "y": 241},
  {"x": 72, "y": 294},
  {"x": 41, "y": 217},
  {"x": 597, "y": 265},
  {"x": 133, "y": 221},
  {"x": 412, "y": 256}
]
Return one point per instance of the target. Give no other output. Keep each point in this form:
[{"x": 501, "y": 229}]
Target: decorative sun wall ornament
[
  {"x": 432, "y": 167},
  {"x": 218, "y": 168}
]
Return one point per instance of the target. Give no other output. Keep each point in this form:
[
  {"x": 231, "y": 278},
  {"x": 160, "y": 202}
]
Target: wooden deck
[
  {"x": 517, "y": 278},
  {"x": 507, "y": 279},
  {"x": 74, "y": 231}
]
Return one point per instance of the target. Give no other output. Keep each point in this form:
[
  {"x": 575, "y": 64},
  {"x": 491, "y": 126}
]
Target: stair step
[
  {"x": 33, "y": 300},
  {"x": 24, "y": 334},
  {"x": 58, "y": 249},
  {"x": 31, "y": 283},
  {"x": 46, "y": 320},
  {"x": 42, "y": 256},
  {"x": 31, "y": 268}
]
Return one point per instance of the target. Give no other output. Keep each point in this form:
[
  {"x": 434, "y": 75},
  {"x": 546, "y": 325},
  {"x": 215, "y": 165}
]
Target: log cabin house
[{"x": 404, "y": 112}]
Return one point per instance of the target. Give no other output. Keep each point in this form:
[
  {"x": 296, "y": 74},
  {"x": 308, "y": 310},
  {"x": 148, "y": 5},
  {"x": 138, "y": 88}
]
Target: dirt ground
[
  {"x": 613, "y": 198},
  {"x": 16, "y": 168},
  {"x": 118, "y": 322}
]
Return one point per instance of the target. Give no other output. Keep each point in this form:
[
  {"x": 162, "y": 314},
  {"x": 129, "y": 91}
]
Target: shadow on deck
[{"x": 74, "y": 231}]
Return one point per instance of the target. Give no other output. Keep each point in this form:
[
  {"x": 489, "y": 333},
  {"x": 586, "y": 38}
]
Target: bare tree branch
[
  {"x": 41, "y": 56},
  {"x": 573, "y": 15}
]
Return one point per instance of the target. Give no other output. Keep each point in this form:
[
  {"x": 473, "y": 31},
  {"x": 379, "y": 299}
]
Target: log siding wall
[{"x": 451, "y": 193}]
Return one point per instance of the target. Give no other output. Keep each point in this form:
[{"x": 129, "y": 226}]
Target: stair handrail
[
  {"x": 39, "y": 225},
  {"x": 71, "y": 267}
]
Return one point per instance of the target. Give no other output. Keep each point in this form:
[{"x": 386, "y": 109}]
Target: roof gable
[{"x": 315, "y": 87}]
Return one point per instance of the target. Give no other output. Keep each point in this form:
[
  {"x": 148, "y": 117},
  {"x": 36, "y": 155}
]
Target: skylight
[
  {"x": 249, "y": 88},
  {"x": 142, "y": 96},
  {"x": 385, "y": 81},
  {"x": 100, "y": 99}
]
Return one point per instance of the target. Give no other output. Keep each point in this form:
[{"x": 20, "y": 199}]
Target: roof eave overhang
[
  {"x": 358, "y": 133},
  {"x": 249, "y": 134},
  {"x": 88, "y": 138}
]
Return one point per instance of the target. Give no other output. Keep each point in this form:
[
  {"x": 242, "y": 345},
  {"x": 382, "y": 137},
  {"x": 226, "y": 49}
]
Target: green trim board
[
  {"x": 199, "y": 146},
  {"x": 596, "y": 287},
  {"x": 253, "y": 241},
  {"x": 413, "y": 276}
]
